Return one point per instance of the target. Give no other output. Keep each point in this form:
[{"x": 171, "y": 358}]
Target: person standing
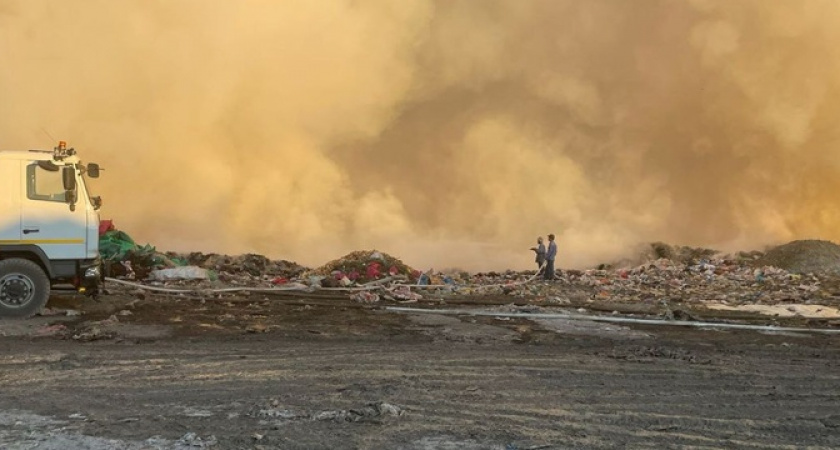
[
  {"x": 550, "y": 256},
  {"x": 540, "y": 251}
]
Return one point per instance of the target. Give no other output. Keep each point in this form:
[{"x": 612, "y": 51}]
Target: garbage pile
[
  {"x": 124, "y": 258},
  {"x": 801, "y": 272},
  {"x": 359, "y": 268},
  {"x": 714, "y": 280},
  {"x": 121, "y": 256},
  {"x": 242, "y": 269},
  {"x": 689, "y": 275}
]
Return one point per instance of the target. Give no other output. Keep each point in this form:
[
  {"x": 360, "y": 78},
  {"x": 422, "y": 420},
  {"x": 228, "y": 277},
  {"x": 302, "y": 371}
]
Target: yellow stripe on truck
[{"x": 41, "y": 241}]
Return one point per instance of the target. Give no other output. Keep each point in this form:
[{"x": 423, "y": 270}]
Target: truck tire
[{"x": 24, "y": 288}]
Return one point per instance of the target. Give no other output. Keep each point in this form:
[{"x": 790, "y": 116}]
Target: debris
[
  {"x": 257, "y": 328},
  {"x": 372, "y": 411},
  {"x": 403, "y": 292},
  {"x": 365, "y": 297},
  {"x": 364, "y": 266},
  {"x": 51, "y": 330},
  {"x": 667, "y": 280},
  {"x": 193, "y": 440},
  {"x": 122, "y": 256},
  {"x": 93, "y": 333},
  {"x": 180, "y": 273}
]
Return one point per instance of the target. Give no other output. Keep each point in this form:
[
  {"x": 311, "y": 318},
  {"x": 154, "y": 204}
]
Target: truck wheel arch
[{"x": 30, "y": 252}]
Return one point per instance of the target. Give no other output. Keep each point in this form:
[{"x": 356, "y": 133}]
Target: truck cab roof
[{"x": 36, "y": 155}]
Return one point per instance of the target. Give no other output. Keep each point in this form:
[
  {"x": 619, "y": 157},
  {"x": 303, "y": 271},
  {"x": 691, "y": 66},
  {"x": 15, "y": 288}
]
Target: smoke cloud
[{"x": 447, "y": 133}]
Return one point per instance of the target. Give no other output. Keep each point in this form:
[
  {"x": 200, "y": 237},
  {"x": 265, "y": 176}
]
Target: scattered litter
[
  {"x": 404, "y": 293},
  {"x": 51, "y": 330},
  {"x": 365, "y": 297},
  {"x": 180, "y": 273},
  {"x": 661, "y": 276},
  {"x": 375, "y": 411},
  {"x": 193, "y": 440},
  {"x": 257, "y": 328},
  {"x": 94, "y": 333}
]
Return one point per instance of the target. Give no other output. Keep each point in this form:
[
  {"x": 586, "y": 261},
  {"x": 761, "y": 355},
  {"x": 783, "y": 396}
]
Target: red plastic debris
[
  {"x": 373, "y": 271},
  {"x": 106, "y": 226}
]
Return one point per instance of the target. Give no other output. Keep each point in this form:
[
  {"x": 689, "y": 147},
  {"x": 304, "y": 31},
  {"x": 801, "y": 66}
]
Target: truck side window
[{"x": 42, "y": 184}]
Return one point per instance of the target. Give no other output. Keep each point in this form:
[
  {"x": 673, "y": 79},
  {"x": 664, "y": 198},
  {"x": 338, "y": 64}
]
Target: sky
[{"x": 447, "y": 133}]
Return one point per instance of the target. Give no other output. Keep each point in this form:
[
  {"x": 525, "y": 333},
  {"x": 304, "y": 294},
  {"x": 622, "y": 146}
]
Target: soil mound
[{"x": 806, "y": 256}]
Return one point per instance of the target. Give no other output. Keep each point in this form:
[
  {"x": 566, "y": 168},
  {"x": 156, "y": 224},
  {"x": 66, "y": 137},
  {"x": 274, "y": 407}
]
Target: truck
[{"x": 49, "y": 228}]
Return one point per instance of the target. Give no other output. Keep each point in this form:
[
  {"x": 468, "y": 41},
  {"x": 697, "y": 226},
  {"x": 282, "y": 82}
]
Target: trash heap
[
  {"x": 809, "y": 275},
  {"x": 122, "y": 257},
  {"x": 125, "y": 259},
  {"x": 359, "y": 268},
  {"x": 247, "y": 269},
  {"x": 801, "y": 272},
  {"x": 718, "y": 280}
]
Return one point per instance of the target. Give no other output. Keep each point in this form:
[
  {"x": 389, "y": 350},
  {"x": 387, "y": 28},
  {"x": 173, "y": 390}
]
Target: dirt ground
[{"x": 318, "y": 371}]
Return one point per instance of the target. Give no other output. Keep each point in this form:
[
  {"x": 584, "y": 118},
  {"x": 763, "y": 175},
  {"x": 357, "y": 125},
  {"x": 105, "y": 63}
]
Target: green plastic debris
[{"x": 115, "y": 245}]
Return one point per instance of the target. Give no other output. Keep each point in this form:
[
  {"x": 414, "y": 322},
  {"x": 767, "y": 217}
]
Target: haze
[{"x": 447, "y": 133}]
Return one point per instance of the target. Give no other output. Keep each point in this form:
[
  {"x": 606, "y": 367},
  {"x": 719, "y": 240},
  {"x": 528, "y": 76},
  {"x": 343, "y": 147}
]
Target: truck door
[
  {"x": 47, "y": 220},
  {"x": 9, "y": 202}
]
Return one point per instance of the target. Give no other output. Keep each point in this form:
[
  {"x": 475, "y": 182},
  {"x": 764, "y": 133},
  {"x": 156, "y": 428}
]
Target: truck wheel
[{"x": 24, "y": 288}]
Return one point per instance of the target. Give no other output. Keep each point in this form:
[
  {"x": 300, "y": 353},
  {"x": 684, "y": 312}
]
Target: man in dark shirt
[{"x": 550, "y": 255}]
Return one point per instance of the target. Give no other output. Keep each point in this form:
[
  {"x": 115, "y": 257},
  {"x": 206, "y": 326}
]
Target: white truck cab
[{"x": 49, "y": 228}]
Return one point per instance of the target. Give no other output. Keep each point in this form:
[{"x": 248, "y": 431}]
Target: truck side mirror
[
  {"x": 93, "y": 170},
  {"x": 70, "y": 197},
  {"x": 68, "y": 176}
]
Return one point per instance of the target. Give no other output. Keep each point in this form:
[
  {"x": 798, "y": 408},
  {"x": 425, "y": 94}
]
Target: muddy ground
[{"x": 318, "y": 371}]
